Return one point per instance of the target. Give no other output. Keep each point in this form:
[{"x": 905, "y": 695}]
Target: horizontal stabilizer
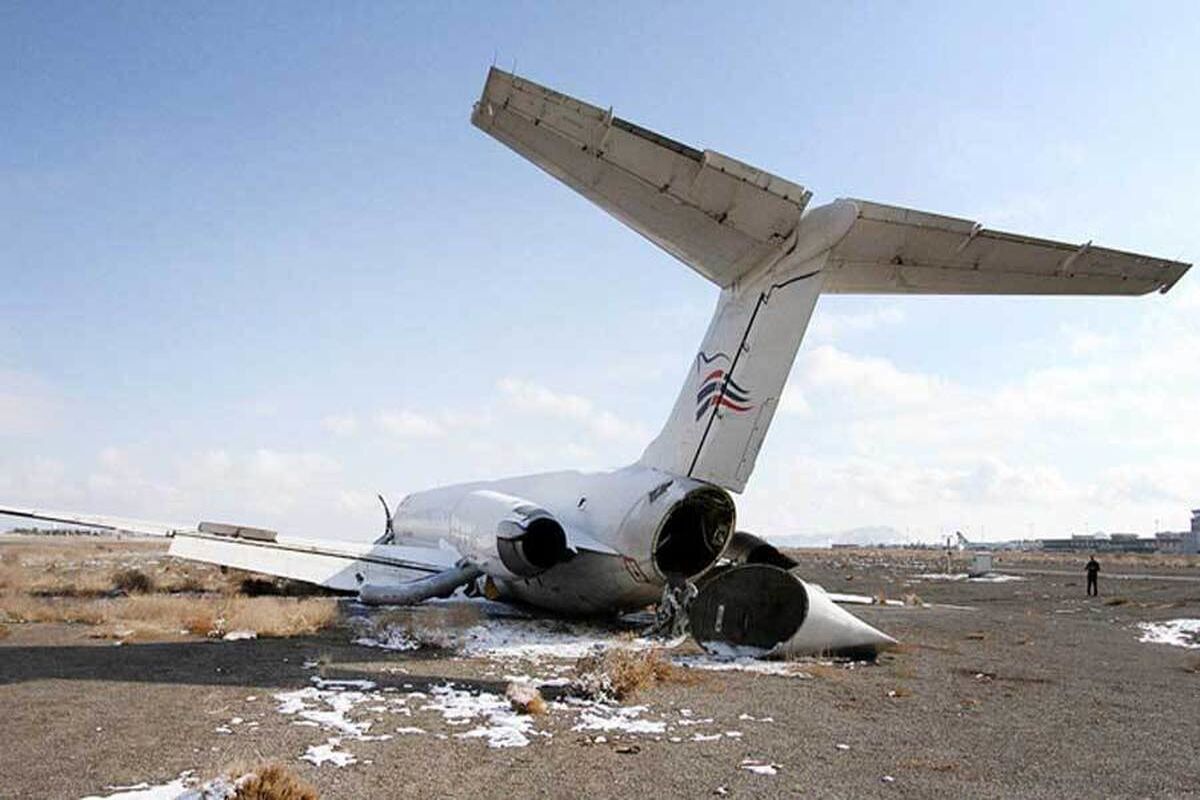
[
  {"x": 717, "y": 215},
  {"x": 892, "y": 250}
]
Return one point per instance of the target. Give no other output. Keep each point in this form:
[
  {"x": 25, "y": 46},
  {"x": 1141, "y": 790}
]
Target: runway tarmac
[{"x": 1035, "y": 692}]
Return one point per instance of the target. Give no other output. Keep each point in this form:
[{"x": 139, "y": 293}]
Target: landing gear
[{"x": 671, "y": 616}]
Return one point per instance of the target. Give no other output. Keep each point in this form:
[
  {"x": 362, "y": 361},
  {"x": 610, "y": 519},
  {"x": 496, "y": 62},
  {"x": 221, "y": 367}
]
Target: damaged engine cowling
[
  {"x": 523, "y": 537},
  {"x": 765, "y": 611}
]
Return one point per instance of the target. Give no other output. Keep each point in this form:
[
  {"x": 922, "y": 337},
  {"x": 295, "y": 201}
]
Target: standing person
[{"x": 1093, "y": 573}]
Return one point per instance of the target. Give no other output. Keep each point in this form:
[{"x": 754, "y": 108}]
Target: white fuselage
[{"x": 623, "y": 533}]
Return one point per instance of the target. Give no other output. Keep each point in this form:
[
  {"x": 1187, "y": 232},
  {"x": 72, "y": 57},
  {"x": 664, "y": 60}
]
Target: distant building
[{"x": 1098, "y": 544}]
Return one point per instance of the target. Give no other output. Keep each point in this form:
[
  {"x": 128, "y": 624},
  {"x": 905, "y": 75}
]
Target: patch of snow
[
  {"x": 325, "y": 706},
  {"x": 498, "y": 723},
  {"x": 237, "y": 636},
  {"x": 759, "y": 767},
  {"x": 144, "y": 791},
  {"x": 991, "y": 577},
  {"x": 182, "y": 788},
  {"x": 1175, "y": 632},
  {"x": 791, "y": 669},
  {"x": 511, "y": 637},
  {"x": 393, "y": 638},
  {"x": 598, "y": 716},
  {"x": 328, "y": 754}
]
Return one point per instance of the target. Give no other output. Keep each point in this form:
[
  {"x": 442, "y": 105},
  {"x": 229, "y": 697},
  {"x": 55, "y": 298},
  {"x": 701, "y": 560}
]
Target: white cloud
[
  {"x": 340, "y": 424},
  {"x": 1102, "y": 434},
  {"x": 529, "y": 397},
  {"x": 828, "y": 325},
  {"x": 409, "y": 424},
  {"x": 870, "y": 380}
]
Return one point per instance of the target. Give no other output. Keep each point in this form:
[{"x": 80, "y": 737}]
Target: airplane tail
[
  {"x": 733, "y": 385},
  {"x": 748, "y": 231}
]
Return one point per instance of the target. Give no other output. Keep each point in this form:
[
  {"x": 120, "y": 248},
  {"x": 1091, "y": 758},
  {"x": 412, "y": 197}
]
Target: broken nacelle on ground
[{"x": 761, "y": 608}]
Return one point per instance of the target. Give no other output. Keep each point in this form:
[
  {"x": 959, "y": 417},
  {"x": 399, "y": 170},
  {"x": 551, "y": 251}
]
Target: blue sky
[{"x": 257, "y": 265}]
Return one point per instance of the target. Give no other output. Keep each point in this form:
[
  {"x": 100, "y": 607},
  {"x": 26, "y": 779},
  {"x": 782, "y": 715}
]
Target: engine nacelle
[{"x": 507, "y": 536}]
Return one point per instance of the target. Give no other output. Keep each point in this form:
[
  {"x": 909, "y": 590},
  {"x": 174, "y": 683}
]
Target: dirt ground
[{"x": 1023, "y": 688}]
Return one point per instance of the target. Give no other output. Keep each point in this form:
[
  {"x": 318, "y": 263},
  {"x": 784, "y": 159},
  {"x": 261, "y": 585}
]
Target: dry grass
[
  {"x": 4, "y": 631},
  {"x": 132, "y": 581},
  {"x": 121, "y": 589},
  {"x": 148, "y": 615},
  {"x": 620, "y": 673},
  {"x": 913, "y": 599},
  {"x": 900, "y": 692},
  {"x": 273, "y": 782}
]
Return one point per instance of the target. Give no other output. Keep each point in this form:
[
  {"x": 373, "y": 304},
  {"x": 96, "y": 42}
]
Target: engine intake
[{"x": 694, "y": 533}]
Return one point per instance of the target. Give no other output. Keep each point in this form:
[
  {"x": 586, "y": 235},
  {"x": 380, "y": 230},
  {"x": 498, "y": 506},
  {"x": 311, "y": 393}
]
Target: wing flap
[
  {"x": 719, "y": 216},
  {"x": 898, "y": 250}
]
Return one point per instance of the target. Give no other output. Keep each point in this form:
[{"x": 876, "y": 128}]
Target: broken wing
[{"x": 341, "y": 566}]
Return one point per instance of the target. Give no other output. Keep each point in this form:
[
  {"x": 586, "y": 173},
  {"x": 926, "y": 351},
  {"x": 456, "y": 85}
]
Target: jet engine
[{"x": 525, "y": 538}]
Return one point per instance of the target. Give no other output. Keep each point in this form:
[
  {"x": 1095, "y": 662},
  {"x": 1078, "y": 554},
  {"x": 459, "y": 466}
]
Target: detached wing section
[
  {"x": 714, "y": 213},
  {"x": 892, "y": 250},
  {"x": 341, "y": 566}
]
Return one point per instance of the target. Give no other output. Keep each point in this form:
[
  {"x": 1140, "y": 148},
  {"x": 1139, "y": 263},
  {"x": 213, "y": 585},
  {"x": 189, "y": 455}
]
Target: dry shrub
[
  {"x": 188, "y": 584},
  {"x": 279, "y": 616},
  {"x": 912, "y": 599},
  {"x": 976, "y": 636},
  {"x": 525, "y": 699},
  {"x": 4, "y": 631},
  {"x": 273, "y": 782},
  {"x": 1116, "y": 601},
  {"x": 619, "y": 673},
  {"x": 202, "y": 623},
  {"x": 132, "y": 581},
  {"x": 879, "y": 598}
]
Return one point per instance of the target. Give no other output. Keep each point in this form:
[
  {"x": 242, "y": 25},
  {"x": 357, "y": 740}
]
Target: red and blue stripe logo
[{"x": 719, "y": 390}]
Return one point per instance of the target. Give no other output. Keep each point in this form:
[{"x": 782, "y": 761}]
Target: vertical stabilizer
[{"x": 733, "y": 385}]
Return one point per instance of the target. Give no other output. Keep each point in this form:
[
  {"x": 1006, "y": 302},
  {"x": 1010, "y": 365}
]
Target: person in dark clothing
[{"x": 1093, "y": 573}]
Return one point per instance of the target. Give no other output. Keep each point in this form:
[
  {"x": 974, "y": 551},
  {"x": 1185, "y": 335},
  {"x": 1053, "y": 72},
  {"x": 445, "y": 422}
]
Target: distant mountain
[{"x": 868, "y": 534}]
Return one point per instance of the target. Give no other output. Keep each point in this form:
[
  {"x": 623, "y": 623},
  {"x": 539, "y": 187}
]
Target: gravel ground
[{"x": 1033, "y": 691}]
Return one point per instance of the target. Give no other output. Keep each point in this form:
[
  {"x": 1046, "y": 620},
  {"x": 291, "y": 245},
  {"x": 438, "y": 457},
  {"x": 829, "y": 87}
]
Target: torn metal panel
[{"x": 766, "y": 611}]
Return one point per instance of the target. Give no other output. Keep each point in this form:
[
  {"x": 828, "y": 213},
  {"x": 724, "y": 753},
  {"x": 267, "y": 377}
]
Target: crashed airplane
[{"x": 601, "y": 543}]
